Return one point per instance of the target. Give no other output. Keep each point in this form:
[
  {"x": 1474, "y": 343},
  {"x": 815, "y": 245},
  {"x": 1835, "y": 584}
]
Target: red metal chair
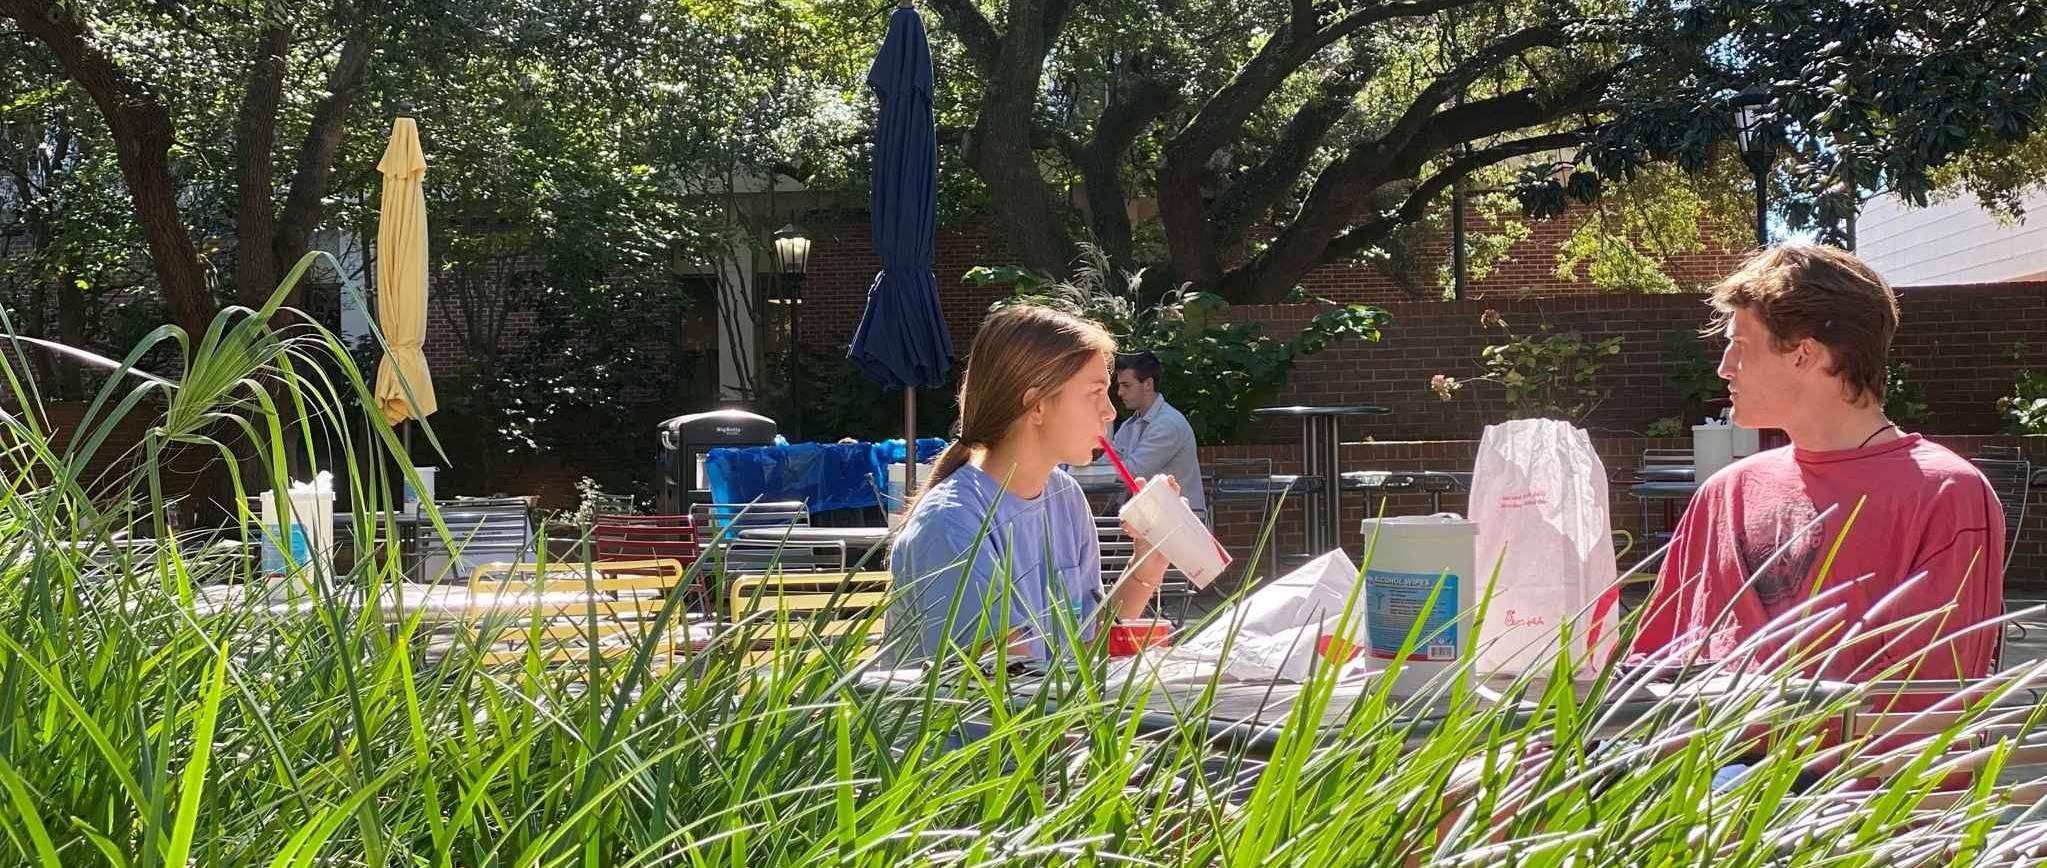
[
  {"x": 647, "y": 537},
  {"x": 629, "y": 541}
]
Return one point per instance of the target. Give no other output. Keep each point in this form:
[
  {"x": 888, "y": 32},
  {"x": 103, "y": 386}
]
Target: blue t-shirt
[{"x": 1043, "y": 550}]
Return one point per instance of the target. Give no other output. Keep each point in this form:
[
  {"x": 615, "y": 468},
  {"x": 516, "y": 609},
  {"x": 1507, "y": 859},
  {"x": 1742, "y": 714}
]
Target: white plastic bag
[
  {"x": 1539, "y": 493},
  {"x": 1281, "y": 625}
]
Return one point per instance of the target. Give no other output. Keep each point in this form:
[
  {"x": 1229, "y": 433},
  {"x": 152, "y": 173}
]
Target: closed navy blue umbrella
[{"x": 902, "y": 341}]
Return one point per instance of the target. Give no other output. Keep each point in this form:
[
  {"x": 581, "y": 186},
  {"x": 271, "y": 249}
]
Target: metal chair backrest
[
  {"x": 613, "y": 577},
  {"x": 1247, "y": 479},
  {"x": 637, "y": 520},
  {"x": 2011, "y": 476},
  {"x": 799, "y": 605},
  {"x": 630, "y": 541},
  {"x": 480, "y": 531},
  {"x": 1118, "y": 550},
  {"x": 784, "y": 556},
  {"x": 711, "y": 521},
  {"x": 1658, "y": 462},
  {"x": 718, "y": 528},
  {"x": 553, "y": 614}
]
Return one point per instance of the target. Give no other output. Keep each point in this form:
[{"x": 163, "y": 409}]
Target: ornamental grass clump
[{"x": 164, "y": 703}]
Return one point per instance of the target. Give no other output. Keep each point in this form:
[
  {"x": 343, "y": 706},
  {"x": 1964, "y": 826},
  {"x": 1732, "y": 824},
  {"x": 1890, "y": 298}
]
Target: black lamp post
[
  {"x": 1752, "y": 128},
  {"x": 792, "y": 258}
]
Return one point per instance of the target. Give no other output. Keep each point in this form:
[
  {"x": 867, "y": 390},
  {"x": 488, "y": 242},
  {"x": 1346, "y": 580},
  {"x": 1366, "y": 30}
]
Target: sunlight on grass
[{"x": 163, "y": 704}]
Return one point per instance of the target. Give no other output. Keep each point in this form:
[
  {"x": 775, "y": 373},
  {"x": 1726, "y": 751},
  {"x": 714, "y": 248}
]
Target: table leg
[
  {"x": 1332, "y": 480},
  {"x": 1313, "y": 523}
]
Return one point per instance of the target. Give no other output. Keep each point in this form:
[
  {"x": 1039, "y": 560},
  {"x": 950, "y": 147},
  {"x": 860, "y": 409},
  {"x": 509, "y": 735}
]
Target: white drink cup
[{"x": 1164, "y": 519}]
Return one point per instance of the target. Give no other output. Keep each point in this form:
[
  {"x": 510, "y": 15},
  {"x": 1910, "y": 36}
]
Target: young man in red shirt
[{"x": 1919, "y": 528}]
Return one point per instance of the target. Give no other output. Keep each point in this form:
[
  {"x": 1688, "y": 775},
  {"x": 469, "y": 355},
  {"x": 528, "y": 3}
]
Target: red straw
[{"x": 1118, "y": 461}]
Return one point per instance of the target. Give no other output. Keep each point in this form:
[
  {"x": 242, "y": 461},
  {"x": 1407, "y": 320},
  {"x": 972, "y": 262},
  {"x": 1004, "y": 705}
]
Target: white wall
[
  {"x": 1954, "y": 241},
  {"x": 348, "y": 248}
]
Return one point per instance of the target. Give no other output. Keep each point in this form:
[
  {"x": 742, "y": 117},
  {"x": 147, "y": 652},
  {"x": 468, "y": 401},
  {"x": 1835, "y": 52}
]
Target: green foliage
[
  {"x": 1694, "y": 375},
  {"x": 2025, "y": 409},
  {"x": 1216, "y": 369},
  {"x": 68, "y": 235},
  {"x": 1550, "y": 374},
  {"x": 1668, "y": 426},
  {"x": 1546, "y": 374},
  {"x": 838, "y": 401},
  {"x": 1904, "y": 400},
  {"x": 1852, "y": 104},
  {"x": 1623, "y": 241},
  {"x": 604, "y": 138},
  {"x": 1486, "y": 249}
]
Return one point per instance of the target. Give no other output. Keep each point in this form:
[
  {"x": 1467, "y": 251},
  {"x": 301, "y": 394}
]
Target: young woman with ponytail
[{"x": 1000, "y": 548}]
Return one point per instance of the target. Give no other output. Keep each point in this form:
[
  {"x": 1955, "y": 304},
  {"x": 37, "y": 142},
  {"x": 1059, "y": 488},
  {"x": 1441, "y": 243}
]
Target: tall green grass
[{"x": 143, "y": 722}]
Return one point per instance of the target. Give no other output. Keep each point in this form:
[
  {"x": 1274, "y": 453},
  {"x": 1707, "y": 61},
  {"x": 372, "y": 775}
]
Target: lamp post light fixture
[
  {"x": 792, "y": 254},
  {"x": 1751, "y": 125},
  {"x": 792, "y": 258}
]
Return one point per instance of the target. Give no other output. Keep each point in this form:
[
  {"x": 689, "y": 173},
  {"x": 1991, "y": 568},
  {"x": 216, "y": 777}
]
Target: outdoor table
[
  {"x": 1431, "y": 482},
  {"x": 1670, "y": 494},
  {"x": 1252, "y": 715},
  {"x": 1322, "y": 510}
]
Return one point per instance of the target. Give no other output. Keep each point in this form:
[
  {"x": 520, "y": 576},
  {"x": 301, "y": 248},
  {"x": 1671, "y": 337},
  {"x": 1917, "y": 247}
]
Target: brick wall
[
  {"x": 449, "y": 315},
  {"x": 843, "y": 265},
  {"x": 1958, "y": 340},
  {"x": 1528, "y": 268}
]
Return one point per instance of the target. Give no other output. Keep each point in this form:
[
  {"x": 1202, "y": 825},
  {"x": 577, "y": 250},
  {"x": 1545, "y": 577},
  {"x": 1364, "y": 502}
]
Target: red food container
[
  {"x": 1130, "y": 638},
  {"x": 1336, "y": 650}
]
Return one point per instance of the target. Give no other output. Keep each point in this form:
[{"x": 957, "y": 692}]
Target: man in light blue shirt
[{"x": 1156, "y": 438}]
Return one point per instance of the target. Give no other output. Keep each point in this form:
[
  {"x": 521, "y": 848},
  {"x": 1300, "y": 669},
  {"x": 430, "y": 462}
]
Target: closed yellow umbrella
[{"x": 405, "y": 388}]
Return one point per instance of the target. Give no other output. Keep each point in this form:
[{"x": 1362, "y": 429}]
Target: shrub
[{"x": 1217, "y": 370}]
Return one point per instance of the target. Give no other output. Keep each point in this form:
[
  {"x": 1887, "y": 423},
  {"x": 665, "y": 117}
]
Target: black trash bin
[{"x": 685, "y": 439}]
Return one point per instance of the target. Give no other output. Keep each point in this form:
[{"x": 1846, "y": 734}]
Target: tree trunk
[
  {"x": 1108, "y": 209},
  {"x": 141, "y": 129},
  {"x": 1028, "y": 215},
  {"x": 304, "y": 207},
  {"x": 1135, "y": 103},
  {"x": 1028, "y": 212},
  {"x": 256, "y": 265}
]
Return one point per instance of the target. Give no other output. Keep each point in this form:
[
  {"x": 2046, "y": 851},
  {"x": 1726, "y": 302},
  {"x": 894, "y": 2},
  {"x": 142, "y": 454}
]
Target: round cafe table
[{"x": 1321, "y": 437}]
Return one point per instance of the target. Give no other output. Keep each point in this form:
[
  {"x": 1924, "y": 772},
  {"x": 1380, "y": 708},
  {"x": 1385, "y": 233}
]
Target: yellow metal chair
[
  {"x": 780, "y": 611},
  {"x": 563, "y": 611}
]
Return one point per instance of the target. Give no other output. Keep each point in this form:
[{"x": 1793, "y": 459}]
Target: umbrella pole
[{"x": 909, "y": 442}]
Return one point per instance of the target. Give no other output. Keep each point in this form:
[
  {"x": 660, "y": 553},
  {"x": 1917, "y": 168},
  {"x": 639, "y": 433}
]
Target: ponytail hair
[{"x": 1019, "y": 348}]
